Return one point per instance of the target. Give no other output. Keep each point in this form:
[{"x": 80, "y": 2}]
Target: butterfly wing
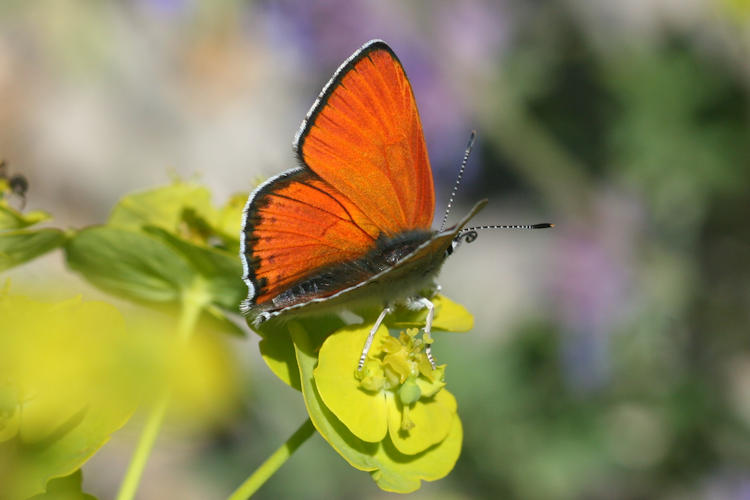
[
  {"x": 318, "y": 230},
  {"x": 364, "y": 137},
  {"x": 294, "y": 225}
]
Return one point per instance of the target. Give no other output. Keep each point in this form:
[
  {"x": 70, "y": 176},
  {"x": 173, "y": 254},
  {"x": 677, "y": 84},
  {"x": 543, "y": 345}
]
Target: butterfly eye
[{"x": 449, "y": 251}]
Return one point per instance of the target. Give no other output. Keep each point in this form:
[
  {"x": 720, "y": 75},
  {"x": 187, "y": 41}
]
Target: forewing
[
  {"x": 364, "y": 137},
  {"x": 295, "y": 225}
]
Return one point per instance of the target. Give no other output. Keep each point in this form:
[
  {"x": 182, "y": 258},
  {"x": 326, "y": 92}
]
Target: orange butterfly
[{"x": 352, "y": 225}]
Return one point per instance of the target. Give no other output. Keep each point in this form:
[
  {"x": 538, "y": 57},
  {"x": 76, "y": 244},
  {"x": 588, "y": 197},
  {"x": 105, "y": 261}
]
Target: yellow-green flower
[
  {"x": 394, "y": 419},
  {"x": 397, "y": 393}
]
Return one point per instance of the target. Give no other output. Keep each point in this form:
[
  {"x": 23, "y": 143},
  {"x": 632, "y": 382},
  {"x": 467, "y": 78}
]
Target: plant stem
[
  {"x": 273, "y": 463},
  {"x": 143, "y": 449},
  {"x": 192, "y": 305}
]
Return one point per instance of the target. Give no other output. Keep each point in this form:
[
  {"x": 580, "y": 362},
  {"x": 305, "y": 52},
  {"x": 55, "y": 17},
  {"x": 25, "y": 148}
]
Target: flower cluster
[{"x": 393, "y": 418}]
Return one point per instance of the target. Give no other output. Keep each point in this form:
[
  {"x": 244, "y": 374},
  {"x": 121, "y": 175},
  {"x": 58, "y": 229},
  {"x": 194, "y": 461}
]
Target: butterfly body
[
  {"x": 393, "y": 272},
  {"x": 352, "y": 225}
]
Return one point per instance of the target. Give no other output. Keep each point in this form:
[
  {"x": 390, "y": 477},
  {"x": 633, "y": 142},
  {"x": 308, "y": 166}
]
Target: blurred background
[{"x": 611, "y": 355}]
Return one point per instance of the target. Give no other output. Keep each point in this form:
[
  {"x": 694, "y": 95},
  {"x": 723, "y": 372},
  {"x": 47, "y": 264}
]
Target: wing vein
[{"x": 342, "y": 207}]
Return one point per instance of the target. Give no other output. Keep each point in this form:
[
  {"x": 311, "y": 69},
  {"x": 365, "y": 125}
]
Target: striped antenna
[
  {"x": 458, "y": 178},
  {"x": 543, "y": 225},
  {"x": 469, "y": 234}
]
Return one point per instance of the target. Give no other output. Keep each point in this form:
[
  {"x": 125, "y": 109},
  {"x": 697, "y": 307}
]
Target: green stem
[
  {"x": 273, "y": 463},
  {"x": 192, "y": 305},
  {"x": 143, "y": 449}
]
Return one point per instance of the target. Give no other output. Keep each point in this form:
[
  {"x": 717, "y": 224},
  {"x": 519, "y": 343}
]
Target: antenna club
[{"x": 544, "y": 225}]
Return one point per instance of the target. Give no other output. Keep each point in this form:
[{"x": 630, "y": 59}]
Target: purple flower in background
[
  {"x": 590, "y": 290},
  {"x": 166, "y": 6},
  {"x": 727, "y": 485},
  {"x": 593, "y": 286},
  {"x": 474, "y": 32}
]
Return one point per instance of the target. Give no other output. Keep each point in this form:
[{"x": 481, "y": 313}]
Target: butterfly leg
[
  {"x": 368, "y": 342},
  {"x": 428, "y": 327}
]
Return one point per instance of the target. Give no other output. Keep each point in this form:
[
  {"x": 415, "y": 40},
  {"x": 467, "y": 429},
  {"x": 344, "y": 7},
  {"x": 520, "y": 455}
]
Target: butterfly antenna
[
  {"x": 458, "y": 178},
  {"x": 543, "y": 225},
  {"x": 469, "y": 234}
]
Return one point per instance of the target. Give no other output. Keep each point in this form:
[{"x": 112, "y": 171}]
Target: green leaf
[
  {"x": 129, "y": 263},
  {"x": 221, "y": 271},
  {"x": 65, "y": 488},
  {"x": 162, "y": 207},
  {"x": 277, "y": 349},
  {"x": 229, "y": 221},
  {"x": 278, "y": 353},
  {"x": 72, "y": 391},
  {"x": 17, "y": 247},
  {"x": 12, "y": 219},
  {"x": 358, "y": 453},
  {"x": 214, "y": 319}
]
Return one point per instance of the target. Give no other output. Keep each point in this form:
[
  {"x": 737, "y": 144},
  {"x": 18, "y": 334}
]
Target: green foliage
[
  {"x": 700, "y": 127},
  {"x": 130, "y": 264},
  {"x": 65, "y": 488},
  {"x": 70, "y": 373},
  {"x": 19, "y": 245},
  {"x": 219, "y": 269},
  {"x": 11, "y": 218},
  {"x": 160, "y": 244},
  {"x": 277, "y": 348},
  {"x": 62, "y": 394}
]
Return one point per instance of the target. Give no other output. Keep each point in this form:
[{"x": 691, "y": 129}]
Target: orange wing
[
  {"x": 363, "y": 136},
  {"x": 295, "y": 225}
]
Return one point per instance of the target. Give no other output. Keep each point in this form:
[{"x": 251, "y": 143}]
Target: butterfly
[{"x": 352, "y": 225}]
